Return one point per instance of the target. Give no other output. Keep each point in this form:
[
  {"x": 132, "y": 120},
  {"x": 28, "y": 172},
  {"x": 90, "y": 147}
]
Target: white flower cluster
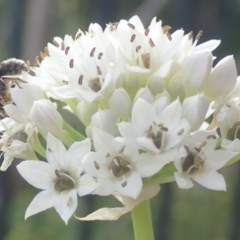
[{"x": 143, "y": 96}]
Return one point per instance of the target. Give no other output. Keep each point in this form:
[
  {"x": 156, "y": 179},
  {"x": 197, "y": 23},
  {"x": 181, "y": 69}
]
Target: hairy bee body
[
  {"x": 10, "y": 70},
  {"x": 12, "y": 66}
]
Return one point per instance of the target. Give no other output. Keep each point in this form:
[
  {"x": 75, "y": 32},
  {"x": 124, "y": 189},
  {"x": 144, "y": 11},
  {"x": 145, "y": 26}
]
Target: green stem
[
  {"x": 38, "y": 146},
  {"x": 74, "y": 133},
  {"x": 142, "y": 221}
]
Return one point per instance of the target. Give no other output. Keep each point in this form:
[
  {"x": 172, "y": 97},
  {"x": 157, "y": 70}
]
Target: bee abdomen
[{"x": 12, "y": 66}]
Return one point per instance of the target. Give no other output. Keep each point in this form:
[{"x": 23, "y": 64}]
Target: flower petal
[
  {"x": 87, "y": 185},
  {"x": 65, "y": 204},
  {"x": 131, "y": 186},
  {"x": 41, "y": 202},
  {"x": 37, "y": 173},
  {"x": 183, "y": 181},
  {"x": 211, "y": 180},
  {"x": 55, "y": 151}
]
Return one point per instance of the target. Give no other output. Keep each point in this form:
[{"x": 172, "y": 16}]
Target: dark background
[{"x": 196, "y": 214}]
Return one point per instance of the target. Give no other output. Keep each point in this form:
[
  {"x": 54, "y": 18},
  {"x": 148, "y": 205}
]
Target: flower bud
[
  {"x": 106, "y": 120},
  {"x": 85, "y": 112},
  {"x": 145, "y": 94},
  {"x": 194, "y": 110},
  {"x": 46, "y": 117},
  {"x": 120, "y": 103},
  {"x": 195, "y": 71},
  {"x": 222, "y": 79}
]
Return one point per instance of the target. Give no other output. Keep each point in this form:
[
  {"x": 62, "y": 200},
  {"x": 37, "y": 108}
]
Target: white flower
[
  {"x": 153, "y": 128},
  {"x": 199, "y": 160},
  {"x": 60, "y": 178},
  {"x": 118, "y": 167}
]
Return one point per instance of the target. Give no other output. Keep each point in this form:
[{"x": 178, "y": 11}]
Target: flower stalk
[{"x": 142, "y": 221}]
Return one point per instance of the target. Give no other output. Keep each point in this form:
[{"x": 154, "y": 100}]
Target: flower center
[
  {"x": 63, "y": 181},
  {"x": 119, "y": 166},
  {"x": 192, "y": 162},
  {"x": 156, "y": 133},
  {"x": 95, "y": 84},
  {"x": 234, "y": 131}
]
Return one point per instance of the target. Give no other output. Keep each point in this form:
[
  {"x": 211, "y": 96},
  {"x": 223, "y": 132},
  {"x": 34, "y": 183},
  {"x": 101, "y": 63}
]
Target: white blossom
[{"x": 61, "y": 178}]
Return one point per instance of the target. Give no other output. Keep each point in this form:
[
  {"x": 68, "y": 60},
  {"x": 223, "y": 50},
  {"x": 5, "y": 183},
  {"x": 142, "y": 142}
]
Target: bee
[{"x": 10, "y": 71}]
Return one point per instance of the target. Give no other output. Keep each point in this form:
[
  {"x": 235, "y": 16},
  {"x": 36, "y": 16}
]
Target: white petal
[
  {"x": 147, "y": 165},
  {"x": 171, "y": 114},
  {"x": 210, "y": 179},
  {"x": 95, "y": 165},
  {"x": 219, "y": 158},
  {"x": 65, "y": 204},
  {"x": 87, "y": 185},
  {"x": 15, "y": 113},
  {"x": 55, "y": 151},
  {"x": 104, "y": 143},
  {"x": 105, "y": 187},
  {"x": 131, "y": 186},
  {"x": 195, "y": 70},
  {"x": 76, "y": 152},
  {"x": 183, "y": 181},
  {"x": 41, "y": 202},
  {"x": 147, "y": 144},
  {"x": 143, "y": 114},
  {"x": 207, "y": 46},
  {"x": 37, "y": 173}
]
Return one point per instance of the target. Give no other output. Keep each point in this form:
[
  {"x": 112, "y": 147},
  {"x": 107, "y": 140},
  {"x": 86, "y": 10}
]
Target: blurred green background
[{"x": 196, "y": 214}]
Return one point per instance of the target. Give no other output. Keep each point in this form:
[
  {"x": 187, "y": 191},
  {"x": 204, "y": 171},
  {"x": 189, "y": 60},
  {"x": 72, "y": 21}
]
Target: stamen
[
  {"x": 147, "y": 31},
  {"x": 80, "y": 80},
  {"x": 138, "y": 48},
  {"x": 62, "y": 46},
  {"x": 99, "y": 70},
  {"x": 55, "y": 43},
  {"x": 199, "y": 35},
  {"x": 166, "y": 30},
  {"x": 92, "y": 52},
  {"x": 100, "y": 55},
  {"x": 78, "y": 35},
  {"x": 133, "y": 38},
  {"x": 211, "y": 137},
  {"x": 190, "y": 35},
  {"x": 151, "y": 42},
  {"x": 71, "y": 63},
  {"x": 96, "y": 165},
  {"x": 49, "y": 150},
  {"x": 66, "y": 50},
  {"x": 124, "y": 184},
  {"x": 65, "y": 82},
  {"x": 165, "y": 129},
  {"x": 131, "y": 25},
  {"x": 180, "y": 132}
]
